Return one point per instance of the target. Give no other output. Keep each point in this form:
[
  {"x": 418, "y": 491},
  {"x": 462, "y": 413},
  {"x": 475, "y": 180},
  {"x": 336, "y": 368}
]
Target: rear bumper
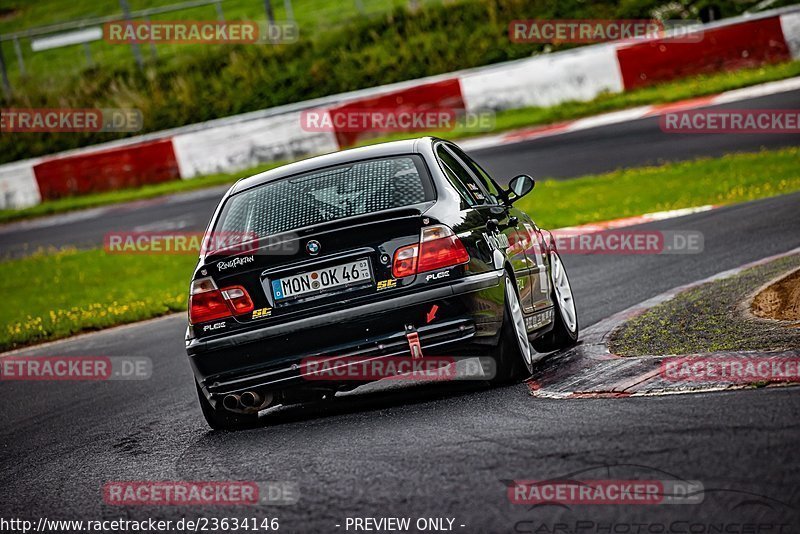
[{"x": 468, "y": 320}]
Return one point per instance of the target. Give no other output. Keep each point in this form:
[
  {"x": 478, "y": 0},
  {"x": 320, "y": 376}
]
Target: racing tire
[
  {"x": 513, "y": 355},
  {"x": 565, "y": 316}
]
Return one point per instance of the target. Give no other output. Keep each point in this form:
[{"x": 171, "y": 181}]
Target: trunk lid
[{"x": 317, "y": 269}]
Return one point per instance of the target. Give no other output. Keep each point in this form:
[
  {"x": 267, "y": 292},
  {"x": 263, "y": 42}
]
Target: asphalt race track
[
  {"x": 435, "y": 450},
  {"x": 602, "y": 149},
  {"x": 631, "y": 144}
]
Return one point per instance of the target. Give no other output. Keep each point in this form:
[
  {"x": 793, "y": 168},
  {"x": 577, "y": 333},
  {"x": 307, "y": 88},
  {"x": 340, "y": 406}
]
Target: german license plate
[{"x": 321, "y": 280}]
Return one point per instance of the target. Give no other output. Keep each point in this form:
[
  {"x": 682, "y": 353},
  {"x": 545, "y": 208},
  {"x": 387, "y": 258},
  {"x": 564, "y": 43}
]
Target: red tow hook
[{"x": 413, "y": 342}]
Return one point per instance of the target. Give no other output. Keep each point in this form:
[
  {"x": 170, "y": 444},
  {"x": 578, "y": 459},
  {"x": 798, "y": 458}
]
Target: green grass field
[
  {"x": 625, "y": 193},
  {"x": 312, "y": 16},
  {"x": 55, "y": 295},
  {"x": 90, "y": 290}
]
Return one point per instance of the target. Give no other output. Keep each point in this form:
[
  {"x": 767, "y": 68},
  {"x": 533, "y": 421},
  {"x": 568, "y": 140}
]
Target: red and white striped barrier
[
  {"x": 107, "y": 170},
  {"x": 18, "y": 187},
  {"x": 245, "y": 145},
  {"x": 542, "y": 81},
  {"x": 442, "y": 94},
  {"x": 244, "y": 141},
  {"x": 748, "y": 43}
]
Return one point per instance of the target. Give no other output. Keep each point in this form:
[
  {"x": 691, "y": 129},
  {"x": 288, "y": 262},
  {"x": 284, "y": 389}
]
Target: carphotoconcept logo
[
  {"x": 64, "y": 120},
  {"x": 572, "y": 496}
]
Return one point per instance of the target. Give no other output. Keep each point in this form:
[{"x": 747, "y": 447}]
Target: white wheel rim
[
  {"x": 566, "y": 303},
  {"x": 518, "y": 321}
]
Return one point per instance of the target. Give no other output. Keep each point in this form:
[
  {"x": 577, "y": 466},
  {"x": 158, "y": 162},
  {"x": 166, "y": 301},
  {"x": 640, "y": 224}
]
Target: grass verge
[
  {"x": 54, "y": 295},
  {"x": 629, "y": 192},
  {"x": 90, "y": 289},
  {"x": 709, "y": 318},
  {"x": 505, "y": 121}
]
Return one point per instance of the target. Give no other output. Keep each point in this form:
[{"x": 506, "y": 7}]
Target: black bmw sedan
[{"x": 405, "y": 250}]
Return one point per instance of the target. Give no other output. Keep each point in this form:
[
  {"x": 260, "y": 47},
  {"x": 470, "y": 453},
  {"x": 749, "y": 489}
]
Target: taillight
[
  {"x": 405, "y": 261},
  {"x": 438, "y": 248},
  {"x": 238, "y": 299},
  {"x": 208, "y": 303}
]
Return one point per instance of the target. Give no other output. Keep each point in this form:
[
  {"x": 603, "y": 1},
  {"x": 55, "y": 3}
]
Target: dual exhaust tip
[{"x": 249, "y": 401}]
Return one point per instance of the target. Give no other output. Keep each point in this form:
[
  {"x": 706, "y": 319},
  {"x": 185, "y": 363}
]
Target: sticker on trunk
[{"x": 262, "y": 313}]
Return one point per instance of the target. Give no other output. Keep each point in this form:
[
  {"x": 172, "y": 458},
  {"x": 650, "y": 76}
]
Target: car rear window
[{"x": 327, "y": 195}]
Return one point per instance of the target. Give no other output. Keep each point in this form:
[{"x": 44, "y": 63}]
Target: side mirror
[{"x": 520, "y": 185}]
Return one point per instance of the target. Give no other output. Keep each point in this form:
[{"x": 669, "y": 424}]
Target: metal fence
[{"x": 82, "y": 33}]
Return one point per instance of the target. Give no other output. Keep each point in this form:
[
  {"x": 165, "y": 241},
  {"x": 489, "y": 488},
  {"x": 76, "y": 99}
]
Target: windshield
[{"x": 327, "y": 195}]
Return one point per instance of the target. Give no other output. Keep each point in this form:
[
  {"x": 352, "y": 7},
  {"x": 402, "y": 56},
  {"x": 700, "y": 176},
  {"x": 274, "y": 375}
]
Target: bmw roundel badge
[{"x": 313, "y": 247}]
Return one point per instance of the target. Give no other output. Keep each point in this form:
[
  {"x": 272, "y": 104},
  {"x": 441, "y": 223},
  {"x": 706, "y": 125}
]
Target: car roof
[{"x": 391, "y": 148}]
